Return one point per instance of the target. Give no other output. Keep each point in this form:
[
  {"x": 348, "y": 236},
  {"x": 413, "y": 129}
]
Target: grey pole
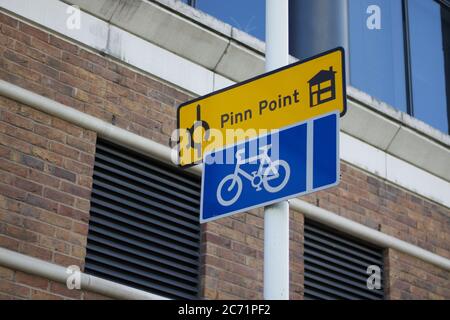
[{"x": 316, "y": 26}]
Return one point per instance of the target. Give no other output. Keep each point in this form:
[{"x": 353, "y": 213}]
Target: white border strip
[{"x": 310, "y": 154}]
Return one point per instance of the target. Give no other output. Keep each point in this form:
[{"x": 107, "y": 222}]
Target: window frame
[
  {"x": 408, "y": 64},
  {"x": 407, "y": 57}
]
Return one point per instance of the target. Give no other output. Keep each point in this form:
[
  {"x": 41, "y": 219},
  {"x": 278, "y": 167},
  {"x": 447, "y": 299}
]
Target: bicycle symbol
[{"x": 268, "y": 170}]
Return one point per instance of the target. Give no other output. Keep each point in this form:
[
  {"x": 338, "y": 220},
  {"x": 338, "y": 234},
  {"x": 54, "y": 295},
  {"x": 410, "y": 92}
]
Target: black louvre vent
[
  {"x": 144, "y": 227},
  {"x": 336, "y": 266}
]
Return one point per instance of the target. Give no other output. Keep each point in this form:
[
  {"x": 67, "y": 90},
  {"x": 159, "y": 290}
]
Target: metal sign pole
[{"x": 276, "y": 216}]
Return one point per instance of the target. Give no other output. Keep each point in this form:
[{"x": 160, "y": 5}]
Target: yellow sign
[{"x": 274, "y": 100}]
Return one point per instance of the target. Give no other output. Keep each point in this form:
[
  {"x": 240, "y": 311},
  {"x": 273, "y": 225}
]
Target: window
[
  {"x": 406, "y": 62},
  {"x": 248, "y": 16},
  {"x": 445, "y": 12},
  {"x": 377, "y": 63},
  {"x": 336, "y": 265},
  {"x": 190, "y": 2},
  {"x": 144, "y": 227},
  {"x": 427, "y": 23}
]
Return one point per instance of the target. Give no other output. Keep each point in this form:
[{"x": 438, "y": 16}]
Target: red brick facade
[
  {"x": 409, "y": 278},
  {"x": 46, "y": 167}
]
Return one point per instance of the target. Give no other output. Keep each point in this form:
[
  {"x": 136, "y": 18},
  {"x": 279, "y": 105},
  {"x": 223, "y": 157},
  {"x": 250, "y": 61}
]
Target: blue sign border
[{"x": 309, "y": 189}]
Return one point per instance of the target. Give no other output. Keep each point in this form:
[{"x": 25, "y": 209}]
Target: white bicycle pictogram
[{"x": 268, "y": 170}]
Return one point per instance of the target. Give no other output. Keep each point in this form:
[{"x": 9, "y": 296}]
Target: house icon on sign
[{"x": 322, "y": 87}]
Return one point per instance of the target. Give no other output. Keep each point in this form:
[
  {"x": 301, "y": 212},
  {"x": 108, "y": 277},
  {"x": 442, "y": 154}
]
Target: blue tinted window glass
[
  {"x": 247, "y": 15},
  {"x": 377, "y": 64},
  {"x": 427, "y": 63}
]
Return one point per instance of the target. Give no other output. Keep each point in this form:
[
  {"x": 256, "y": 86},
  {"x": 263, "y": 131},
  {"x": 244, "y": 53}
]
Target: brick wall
[
  {"x": 46, "y": 164},
  {"x": 19, "y": 285},
  {"x": 45, "y": 181},
  {"x": 360, "y": 197},
  {"x": 408, "y": 278},
  {"x": 232, "y": 256},
  {"x": 46, "y": 174},
  {"x": 96, "y": 85},
  {"x": 383, "y": 206}
]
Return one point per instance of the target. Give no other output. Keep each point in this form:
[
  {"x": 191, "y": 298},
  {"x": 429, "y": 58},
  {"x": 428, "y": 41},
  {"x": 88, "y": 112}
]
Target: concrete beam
[
  {"x": 240, "y": 63},
  {"x": 359, "y": 118},
  {"x": 103, "y": 9},
  {"x": 165, "y": 27},
  {"x": 426, "y": 154},
  {"x": 397, "y": 133}
]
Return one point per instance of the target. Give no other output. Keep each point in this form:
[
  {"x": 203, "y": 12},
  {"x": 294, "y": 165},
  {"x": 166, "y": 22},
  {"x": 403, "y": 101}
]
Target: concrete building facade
[{"x": 119, "y": 78}]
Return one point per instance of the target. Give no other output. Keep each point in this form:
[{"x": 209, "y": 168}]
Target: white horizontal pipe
[
  {"x": 17, "y": 261},
  {"x": 101, "y": 127},
  {"x": 365, "y": 233},
  {"x": 146, "y": 146}
]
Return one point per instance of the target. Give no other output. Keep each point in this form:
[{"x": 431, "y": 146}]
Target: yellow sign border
[{"x": 239, "y": 84}]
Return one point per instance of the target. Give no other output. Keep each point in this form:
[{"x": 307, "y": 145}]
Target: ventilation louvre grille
[
  {"x": 336, "y": 266},
  {"x": 144, "y": 227}
]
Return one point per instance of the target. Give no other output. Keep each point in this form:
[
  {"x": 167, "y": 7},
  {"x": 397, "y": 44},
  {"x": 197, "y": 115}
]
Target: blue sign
[{"x": 294, "y": 161}]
